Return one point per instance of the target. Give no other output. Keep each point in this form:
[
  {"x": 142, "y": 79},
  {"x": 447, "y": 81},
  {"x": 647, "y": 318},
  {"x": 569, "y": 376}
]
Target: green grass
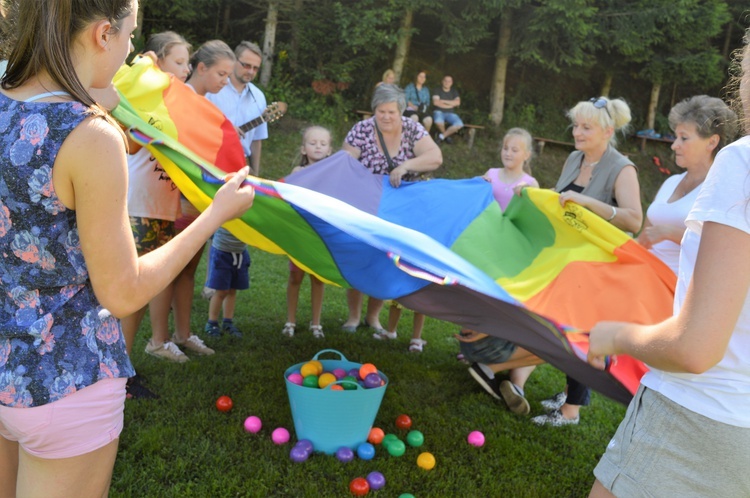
[{"x": 181, "y": 446}]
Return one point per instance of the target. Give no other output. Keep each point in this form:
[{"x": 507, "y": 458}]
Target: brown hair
[
  {"x": 162, "y": 43},
  {"x": 46, "y": 31}
]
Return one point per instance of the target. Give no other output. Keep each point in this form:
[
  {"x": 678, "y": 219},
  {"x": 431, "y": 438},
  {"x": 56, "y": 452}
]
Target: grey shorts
[
  {"x": 489, "y": 350},
  {"x": 662, "y": 449}
]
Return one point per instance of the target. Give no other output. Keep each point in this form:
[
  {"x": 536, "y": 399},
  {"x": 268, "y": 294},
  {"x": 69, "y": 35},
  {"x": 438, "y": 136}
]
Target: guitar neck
[{"x": 252, "y": 124}]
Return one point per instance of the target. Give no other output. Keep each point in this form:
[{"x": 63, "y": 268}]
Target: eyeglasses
[
  {"x": 600, "y": 103},
  {"x": 248, "y": 66}
]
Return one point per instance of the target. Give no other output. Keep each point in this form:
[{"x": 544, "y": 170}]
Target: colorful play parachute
[{"x": 441, "y": 247}]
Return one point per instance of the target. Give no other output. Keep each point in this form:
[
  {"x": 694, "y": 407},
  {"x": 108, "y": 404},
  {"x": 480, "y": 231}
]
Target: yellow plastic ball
[
  {"x": 326, "y": 379},
  {"x": 308, "y": 369},
  {"x": 426, "y": 461},
  {"x": 318, "y": 366}
]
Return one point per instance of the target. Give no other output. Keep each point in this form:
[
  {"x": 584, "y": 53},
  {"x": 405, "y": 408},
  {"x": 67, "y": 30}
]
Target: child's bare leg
[
  {"x": 418, "y": 326},
  {"x": 292, "y": 293},
  {"x": 317, "y": 290},
  {"x": 394, "y": 315}
]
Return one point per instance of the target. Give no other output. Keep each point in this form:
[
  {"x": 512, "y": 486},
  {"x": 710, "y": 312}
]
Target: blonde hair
[
  {"x": 528, "y": 141},
  {"x": 614, "y": 114},
  {"x": 163, "y": 43},
  {"x": 303, "y": 160},
  {"x": 387, "y": 73}
]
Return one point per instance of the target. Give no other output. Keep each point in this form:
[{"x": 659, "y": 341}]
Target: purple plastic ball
[
  {"x": 340, "y": 373},
  {"x": 372, "y": 381},
  {"x": 354, "y": 372},
  {"x": 366, "y": 451},
  {"x": 376, "y": 480},
  {"x": 306, "y": 444},
  {"x": 345, "y": 454},
  {"x": 298, "y": 454}
]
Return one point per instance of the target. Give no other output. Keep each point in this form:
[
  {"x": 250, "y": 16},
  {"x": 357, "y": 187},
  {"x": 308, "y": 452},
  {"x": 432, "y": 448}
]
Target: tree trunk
[
  {"x": 294, "y": 44},
  {"x": 226, "y": 18},
  {"x": 497, "y": 90},
  {"x": 651, "y": 117},
  {"x": 269, "y": 41},
  {"x": 727, "y": 40},
  {"x": 607, "y": 84},
  {"x": 402, "y": 46},
  {"x": 139, "y": 19}
]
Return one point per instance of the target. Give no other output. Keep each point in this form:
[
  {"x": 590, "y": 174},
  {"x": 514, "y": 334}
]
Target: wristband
[{"x": 614, "y": 213}]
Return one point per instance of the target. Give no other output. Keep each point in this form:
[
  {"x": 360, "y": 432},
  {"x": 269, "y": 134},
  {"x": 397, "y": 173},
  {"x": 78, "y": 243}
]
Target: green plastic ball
[
  {"x": 406, "y": 495},
  {"x": 415, "y": 439},
  {"x": 388, "y": 439},
  {"x": 396, "y": 448},
  {"x": 310, "y": 381},
  {"x": 350, "y": 384}
]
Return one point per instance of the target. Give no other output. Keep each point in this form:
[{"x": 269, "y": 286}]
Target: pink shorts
[{"x": 77, "y": 424}]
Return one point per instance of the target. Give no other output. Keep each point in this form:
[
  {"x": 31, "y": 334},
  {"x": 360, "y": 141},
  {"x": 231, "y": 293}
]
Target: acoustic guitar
[{"x": 271, "y": 113}]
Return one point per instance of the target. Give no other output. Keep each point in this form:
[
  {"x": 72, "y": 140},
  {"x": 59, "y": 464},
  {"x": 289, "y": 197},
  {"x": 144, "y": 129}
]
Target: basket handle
[
  {"x": 342, "y": 381},
  {"x": 341, "y": 355}
]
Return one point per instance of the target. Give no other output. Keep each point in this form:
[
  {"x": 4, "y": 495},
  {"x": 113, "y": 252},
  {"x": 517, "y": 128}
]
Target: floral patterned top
[
  {"x": 55, "y": 337},
  {"x": 364, "y": 137}
]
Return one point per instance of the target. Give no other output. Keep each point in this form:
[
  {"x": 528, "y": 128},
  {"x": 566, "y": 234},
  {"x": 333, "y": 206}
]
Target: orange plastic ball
[
  {"x": 376, "y": 435},
  {"x": 224, "y": 403},
  {"x": 337, "y": 387},
  {"x": 367, "y": 369},
  {"x": 426, "y": 461}
]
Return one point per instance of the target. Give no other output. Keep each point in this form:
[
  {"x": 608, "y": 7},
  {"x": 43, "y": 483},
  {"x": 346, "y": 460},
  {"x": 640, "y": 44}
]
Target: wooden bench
[
  {"x": 644, "y": 139},
  {"x": 364, "y": 114},
  {"x": 471, "y": 132},
  {"x": 540, "y": 143}
]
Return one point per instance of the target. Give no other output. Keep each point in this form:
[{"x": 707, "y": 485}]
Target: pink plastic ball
[
  {"x": 253, "y": 424},
  {"x": 280, "y": 436},
  {"x": 476, "y": 438},
  {"x": 340, "y": 373},
  {"x": 295, "y": 378}
]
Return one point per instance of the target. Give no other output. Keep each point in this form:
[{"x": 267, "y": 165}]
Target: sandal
[
  {"x": 416, "y": 345},
  {"x": 383, "y": 334},
  {"x": 317, "y": 331},
  {"x": 288, "y": 329}
]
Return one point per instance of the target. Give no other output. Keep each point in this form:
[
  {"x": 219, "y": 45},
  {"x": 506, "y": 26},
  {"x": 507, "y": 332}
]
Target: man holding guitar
[{"x": 243, "y": 102}]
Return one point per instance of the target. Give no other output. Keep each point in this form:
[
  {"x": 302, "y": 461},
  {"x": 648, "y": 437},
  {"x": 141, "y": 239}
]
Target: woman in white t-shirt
[
  {"x": 702, "y": 126},
  {"x": 687, "y": 430}
]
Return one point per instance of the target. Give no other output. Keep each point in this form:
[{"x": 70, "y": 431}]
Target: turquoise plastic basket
[{"x": 332, "y": 419}]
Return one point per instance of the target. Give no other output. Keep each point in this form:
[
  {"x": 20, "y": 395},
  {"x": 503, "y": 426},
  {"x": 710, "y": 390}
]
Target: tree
[{"x": 269, "y": 42}]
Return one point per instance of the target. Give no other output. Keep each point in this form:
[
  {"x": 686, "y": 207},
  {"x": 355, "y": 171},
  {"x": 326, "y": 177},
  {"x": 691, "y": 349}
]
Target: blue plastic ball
[{"x": 366, "y": 451}]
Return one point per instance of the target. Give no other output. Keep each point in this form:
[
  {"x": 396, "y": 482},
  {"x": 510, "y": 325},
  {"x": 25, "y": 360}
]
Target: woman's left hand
[
  {"x": 396, "y": 174},
  {"x": 571, "y": 196}
]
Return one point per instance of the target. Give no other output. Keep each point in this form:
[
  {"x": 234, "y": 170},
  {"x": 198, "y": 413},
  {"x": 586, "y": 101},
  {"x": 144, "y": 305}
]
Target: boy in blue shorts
[{"x": 228, "y": 272}]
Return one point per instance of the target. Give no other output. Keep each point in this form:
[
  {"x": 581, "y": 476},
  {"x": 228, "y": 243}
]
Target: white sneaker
[
  {"x": 383, "y": 334},
  {"x": 194, "y": 344},
  {"x": 168, "y": 351}
]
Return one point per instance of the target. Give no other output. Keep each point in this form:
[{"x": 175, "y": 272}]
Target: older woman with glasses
[
  {"x": 702, "y": 125},
  {"x": 604, "y": 181}
]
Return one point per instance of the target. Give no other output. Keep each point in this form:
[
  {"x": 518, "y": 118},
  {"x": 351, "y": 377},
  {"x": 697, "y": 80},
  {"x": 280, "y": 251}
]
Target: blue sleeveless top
[{"x": 55, "y": 337}]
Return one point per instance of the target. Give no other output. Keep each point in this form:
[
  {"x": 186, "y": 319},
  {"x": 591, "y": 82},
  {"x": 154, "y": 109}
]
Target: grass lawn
[{"x": 180, "y": 445}]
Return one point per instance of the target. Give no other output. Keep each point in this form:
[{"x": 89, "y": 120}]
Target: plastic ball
[
  {"x": 306, "y": 444},
  {"x": 337, "y": 387},
  {"x": 376, "y": 480},
  {"x": 253, "y": 424},
  {"x": 388, "y": 439},
  {"x": 340, "y": 373},
  {"x": 280, "y": 435},
  {"x": 359, "y": 486},
  {"x": 367, "y": 369},
  {"x": 224, "y": 403},
  {"x": 295, "y": 378},
  {"x": 403, "y": 422},
  {"x": 372, "y": 381},
  {"x": 318, "y": 365},
  {"x": 345, "y": 454},
  {"x": 310, "y": 381},
  {"x": 476, "y": 438},
  {"x": 349, "y": 383},
  {"x": 298, "y": 454},
  {"x": 406, "y": 495},
  {"x": 326, "y": 379},
  {"x": 426, "y": 461},
  {"x": 354, "y": 372},
  {"x": 309, "y": 368},
  {"x": 415, "y": 439},
  {"x": 396, "y": 448},
  {"x": 366, "y": 451},
  {"x": 376, "y": 435}
]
